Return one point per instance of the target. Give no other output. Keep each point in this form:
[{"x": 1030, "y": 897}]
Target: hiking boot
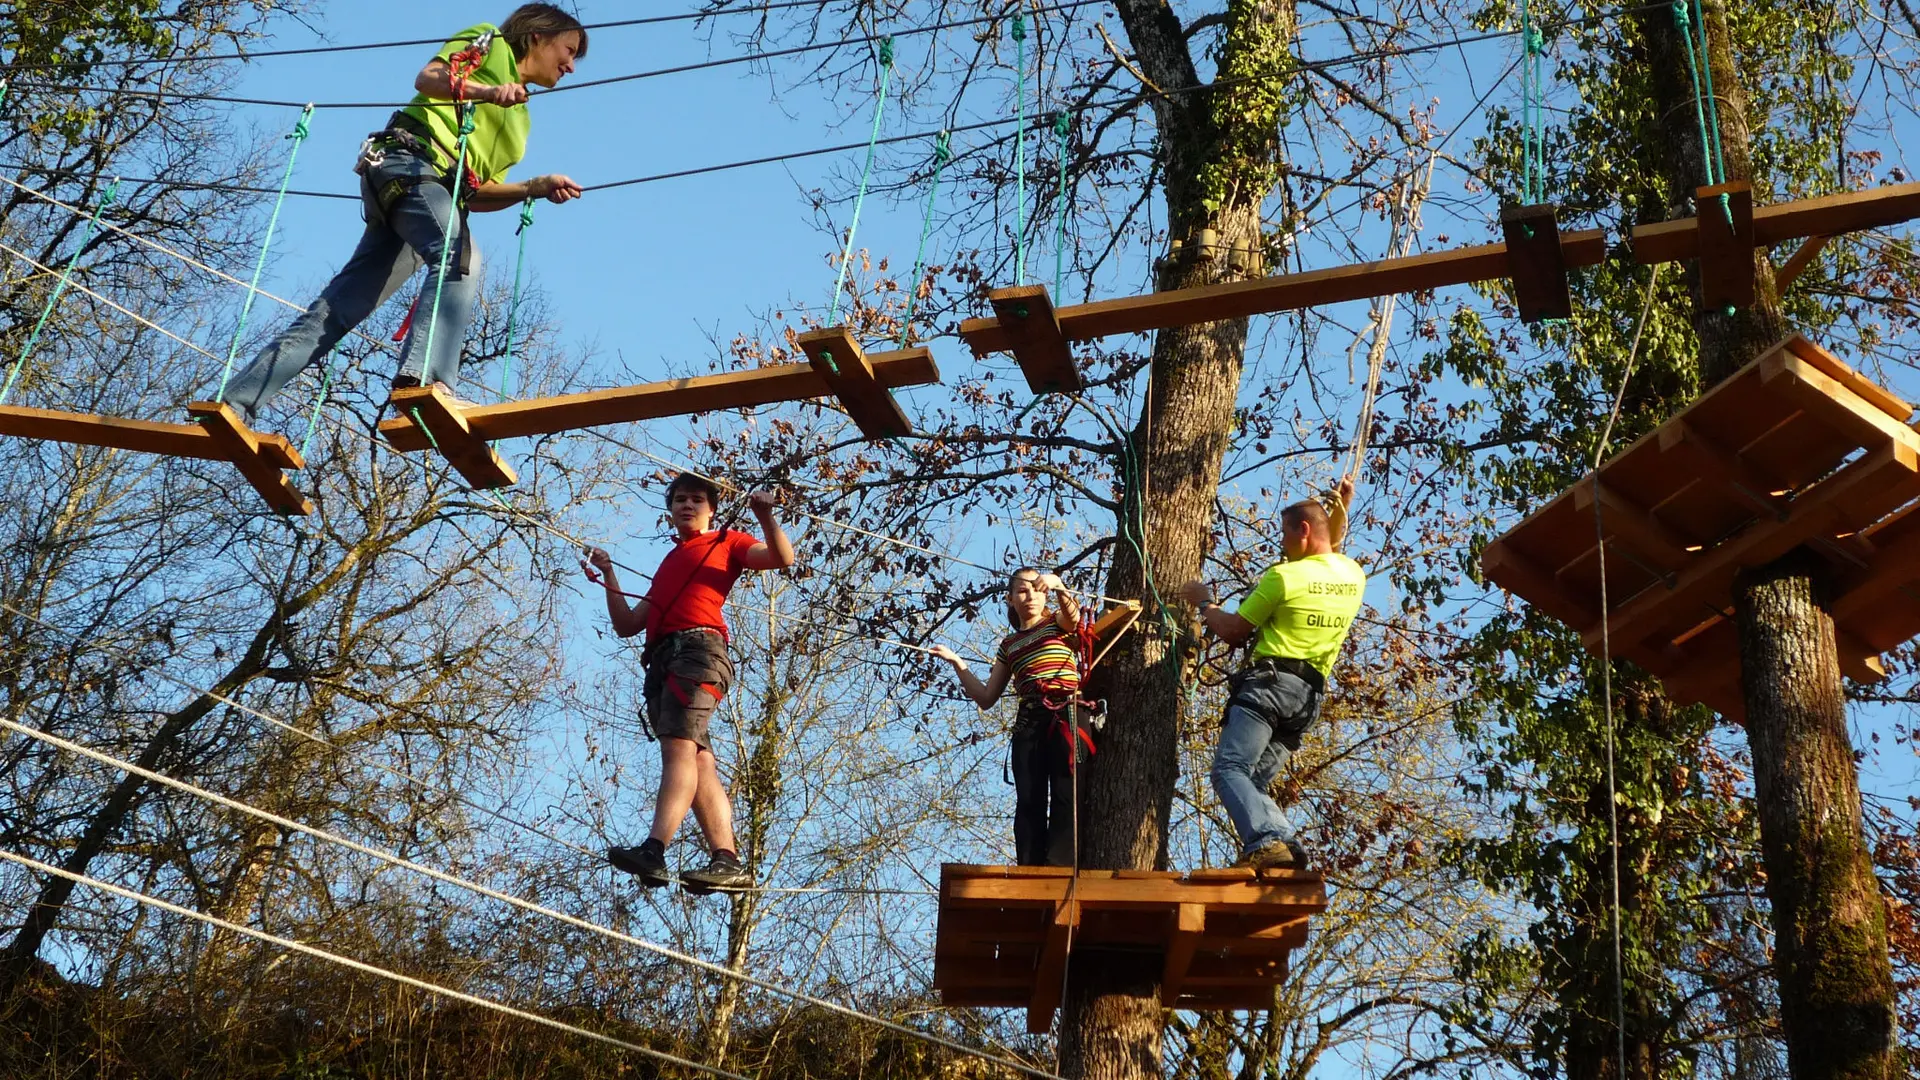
[
  {"x": 646, "y": 862},
  {"x": 723, "y": 873},
  {"x": 1272, "y": 855}
]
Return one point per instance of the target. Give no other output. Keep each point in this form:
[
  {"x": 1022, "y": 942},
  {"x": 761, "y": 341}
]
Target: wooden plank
[
  {"x": 1869, "y": 487},
  {"x": 87, "y": 429},
  {"x": 1287, "y": 292},
  {"x": 433, "y": 409},
  {"x": 1189, "y": 922},
  {"x": 1796, "y": 264},
  {"x": 1725, "y": 243},
  {"x": 1033, "y": 331},
  {"x": 253, "y": 455},
  {"x": 672, "y": 397},
  {"x": 838, "y": 359},
  {"x": 1535, "y": 264},
  {"x": 1836, "y": 369},
  {"x": 1829, "y": 215},
  {"x": 1835, "y": 405},
  {"x": 1049, "y": 978},
  {"x": 1301, "y": 894}
]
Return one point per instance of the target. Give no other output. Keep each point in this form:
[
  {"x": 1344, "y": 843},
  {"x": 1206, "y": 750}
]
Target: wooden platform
[
  {"x": 218, "y": 436},
  {"x": 1039, "y": 341},
  {"x": 1223, "y": 935},
  {"x": 1796, "y": 449},
  {"x": 865, "y": 379},
  {"x": 1829, "y": 215}
]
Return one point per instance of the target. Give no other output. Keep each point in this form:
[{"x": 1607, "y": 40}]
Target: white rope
[
  {"x": 508, "y": 898},
  {"x": 604, "y": 436},
  {"x": 359, "y": 965},
  {"x": 1606, "y": 671},
  {"x": 303, "y": 733}
]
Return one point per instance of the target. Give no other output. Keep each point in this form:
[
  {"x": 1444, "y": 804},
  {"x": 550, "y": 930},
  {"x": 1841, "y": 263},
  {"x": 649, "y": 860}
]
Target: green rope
[
  {"x": 3, "y": 91},
  {"x": 513, "y": 303},
  {"x": 447, "y": 245},
  {"x": 1062, "y": 127},
  {"x": 313, "y": 421},
  {"x": 1708, "y": 141},
  {"x": 1713, "y": 99},
  {"x": 942, "y": 153},
  {"x": 1020, "y": 149},
  {"x": 1533, "y": 146},
  {"x": 866, "y": 173},
  {"x": 298, "y": 136},
  {"x": 66, "y": 275}
]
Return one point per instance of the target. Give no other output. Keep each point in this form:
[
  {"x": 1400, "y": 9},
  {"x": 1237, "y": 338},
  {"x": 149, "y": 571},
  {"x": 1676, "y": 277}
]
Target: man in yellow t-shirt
[
  {"x": 415, "y": 206},
  {"x": 1297, "y": 618}
]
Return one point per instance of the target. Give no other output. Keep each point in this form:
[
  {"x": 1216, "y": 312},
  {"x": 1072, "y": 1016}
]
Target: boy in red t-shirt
[{"x": 688, "y": 672}]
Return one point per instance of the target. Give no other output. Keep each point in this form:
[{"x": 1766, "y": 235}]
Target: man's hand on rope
[
  {"x": 555, "y": 188},
  {"x": 1345, "y": 491},
  {"x": 597, "y": 561}
]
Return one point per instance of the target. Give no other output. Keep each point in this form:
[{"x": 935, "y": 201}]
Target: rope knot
[
  {"x": 942, "y": 148},
  {"x": 1536, "y": 41},
  {"x": 1062, "y": 123},
  {"x": 1019, "y": 32},
  {"x": 526, "y": 215},
  {"x": 1681, "y": 17},
  {"x": 300, "y": 126},
  {"x": 886, "y": 52}
]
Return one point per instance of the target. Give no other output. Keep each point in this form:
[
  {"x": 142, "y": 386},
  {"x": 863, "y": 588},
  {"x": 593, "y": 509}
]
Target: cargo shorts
[{"x": 688, "y": 673}]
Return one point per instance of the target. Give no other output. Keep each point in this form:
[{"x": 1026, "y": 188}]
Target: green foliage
[
  {"x": 1537, "y": 725},
  {"x": 1249, "y": 107}
]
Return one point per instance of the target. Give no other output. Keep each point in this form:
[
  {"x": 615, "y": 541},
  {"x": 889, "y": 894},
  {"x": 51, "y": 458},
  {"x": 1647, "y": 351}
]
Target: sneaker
[
  {"x": 1299, "y": 853},
  {"x": 1272, "y": 855},
  {"x": 723, "y": 873},
  {"x": 646, "y": 862},
  {"x": 454, "y": 399}
]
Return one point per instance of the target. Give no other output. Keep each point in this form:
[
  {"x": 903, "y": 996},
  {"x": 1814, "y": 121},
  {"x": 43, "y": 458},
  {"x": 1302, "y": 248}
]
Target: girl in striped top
[{"x": 1041, "y": 660}]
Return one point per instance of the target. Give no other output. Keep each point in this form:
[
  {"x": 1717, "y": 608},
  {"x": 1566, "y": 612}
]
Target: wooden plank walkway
[{"x": 1005, "y": 932}]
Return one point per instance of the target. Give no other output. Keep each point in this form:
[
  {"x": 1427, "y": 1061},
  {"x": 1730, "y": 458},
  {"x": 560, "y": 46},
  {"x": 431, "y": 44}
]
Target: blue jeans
[
  {"x": 1265, "y": 717},
  {"x": 415, "y": 229}
]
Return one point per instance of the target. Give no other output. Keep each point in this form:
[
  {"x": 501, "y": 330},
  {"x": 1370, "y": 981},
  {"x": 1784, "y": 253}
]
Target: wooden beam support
[
  {"x": 1724, "y": 238},
  {"x": 1836, "y": 369},
  {"x": 838, "y": 359},
  {"x": 432, "y": 409},
  {"x": 1632, "y": 524},
  {"x": 1535, "y": 263},
  {"x": 1521, "y": 576},
  {"x": 1868, "y": 487},
  {"x": 1189, "y": 923},
  {"x": 1287, "y": 292},
  {"x": 260, "y": 458},
  {"x": 1694, "y": 452},
  {"x": 671, "y": 397},
  {"x": 1026, "y": 313},
  {"x": 1837, "y": 406},
  {"x": 1049, "y": 978},
  {"x": 1796, "y": 264},
  {"x": 1829, "y": 215}
]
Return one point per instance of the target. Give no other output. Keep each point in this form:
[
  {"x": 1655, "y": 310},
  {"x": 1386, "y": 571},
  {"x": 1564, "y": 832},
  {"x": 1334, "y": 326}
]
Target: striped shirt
[{"x": 1042, "y": 660}]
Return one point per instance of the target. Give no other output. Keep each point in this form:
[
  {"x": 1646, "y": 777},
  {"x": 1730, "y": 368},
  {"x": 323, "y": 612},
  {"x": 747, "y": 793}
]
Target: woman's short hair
[
  {"x": 529, "y": 21},
  {"x": 687, "y": 481},
  {"x": 1013, "y": 617}
]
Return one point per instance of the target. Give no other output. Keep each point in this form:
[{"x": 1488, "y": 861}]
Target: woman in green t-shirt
[{"x": 407, "y": 191}]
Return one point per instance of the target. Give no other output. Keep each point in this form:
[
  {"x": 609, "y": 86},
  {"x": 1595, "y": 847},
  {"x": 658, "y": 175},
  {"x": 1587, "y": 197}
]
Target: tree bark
[
  {"x": 1830, "y": 940},
  {"x": 1220, "y": 155}
]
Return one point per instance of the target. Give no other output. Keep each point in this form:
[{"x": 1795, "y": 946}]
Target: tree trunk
[
  {"x": 1830, "y": 940},
  {"x": 1220, "y": 156}
]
